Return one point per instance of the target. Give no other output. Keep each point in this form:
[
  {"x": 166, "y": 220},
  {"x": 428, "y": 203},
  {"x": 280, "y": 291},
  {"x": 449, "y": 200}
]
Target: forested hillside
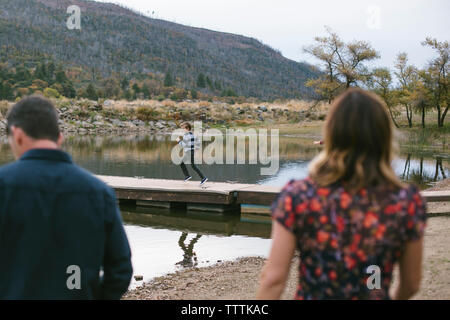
[{"x": 120, "y": 51}]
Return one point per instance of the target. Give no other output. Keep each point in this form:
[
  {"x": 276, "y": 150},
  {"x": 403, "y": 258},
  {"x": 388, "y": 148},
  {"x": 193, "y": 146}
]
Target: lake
[{"x": 163, "y": 241}]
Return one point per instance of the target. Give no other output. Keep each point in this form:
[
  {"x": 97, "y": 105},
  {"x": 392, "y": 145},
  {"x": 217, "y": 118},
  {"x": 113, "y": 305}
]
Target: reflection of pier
[
  {"x": 199, "y": 223},
  {"x": 217, "y": 196}
]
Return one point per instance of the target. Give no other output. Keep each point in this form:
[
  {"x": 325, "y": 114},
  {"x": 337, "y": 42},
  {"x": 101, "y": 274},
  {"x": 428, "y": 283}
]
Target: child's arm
[{"x": 183, "y": 142}]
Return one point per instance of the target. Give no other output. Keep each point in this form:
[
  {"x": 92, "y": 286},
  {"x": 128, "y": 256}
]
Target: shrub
[
  {"x": 80, "y": 113},
  {"x": 51, "y": 93},
  {"x": 146, "y": 113},
  {"x": 179, "y": 95},
  {"x": 21, "y": 92},
  {"x": 168, "y": 103},
  {"x": 183, "y": 104},
  {"x": 204, "y": 104},
  {"x": 63, "y": 104},
  {"x": 4, "y": 107}
]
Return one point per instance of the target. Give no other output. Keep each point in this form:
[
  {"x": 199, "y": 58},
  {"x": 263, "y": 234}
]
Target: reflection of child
[
  {"x": 189, "y": 143},
  {"x": 189, "y": 255}
]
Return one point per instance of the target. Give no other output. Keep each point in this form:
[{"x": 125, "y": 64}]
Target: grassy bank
[{"x": 292, "y": 117}]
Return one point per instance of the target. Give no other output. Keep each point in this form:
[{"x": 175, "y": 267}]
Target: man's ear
[
  {"x": 60, "y": 140},
  {"x": 17, "y": 135}
]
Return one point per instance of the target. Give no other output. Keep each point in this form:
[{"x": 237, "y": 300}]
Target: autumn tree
[
  {"x": 201, "y": 81},
  {"x": 136, "y": 88},
  {"x": 436, "y": 78},
  {"x": 168, "y": 80},
  {"x": 41, "y": 72},
  {"x": 6, "y": 92},
  {"x": 38, "y": 85},
  {"x": 381, "y": 83},
  {"x": 111, "y": 88},
  {"x": 153, "y": 86},
  {"x": 146, "y": 91},
  {"x": 22, "y": 77},
  {"x": 408, "y": 77},
  {"x": 209, "y": 83},
  {"x": 422, "y": 98},
  {"x": 124, "y": 84},
  {"x": 51, "y": 71},
  {"x": 65, "y": 86},
  {"x": 344, "y": 64},
  {"x": 91, "y": 93}
]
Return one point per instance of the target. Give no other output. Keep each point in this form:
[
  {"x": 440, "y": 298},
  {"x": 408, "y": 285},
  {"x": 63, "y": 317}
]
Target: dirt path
[{"x": 238, "y": 280}]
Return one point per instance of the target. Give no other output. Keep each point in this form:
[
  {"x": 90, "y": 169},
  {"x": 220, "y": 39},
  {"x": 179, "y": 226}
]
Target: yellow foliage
[
  {"x": 168, "y": 103},
  {"x": 204, "y": 104}
]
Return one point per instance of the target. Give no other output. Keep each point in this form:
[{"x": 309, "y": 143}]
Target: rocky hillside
[
  {"x": 116, "y": 42},
  {"x": 151, "y": 116}
]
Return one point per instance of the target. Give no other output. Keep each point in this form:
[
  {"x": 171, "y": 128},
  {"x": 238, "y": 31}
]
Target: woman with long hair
[{"x": 351, "y": 219}]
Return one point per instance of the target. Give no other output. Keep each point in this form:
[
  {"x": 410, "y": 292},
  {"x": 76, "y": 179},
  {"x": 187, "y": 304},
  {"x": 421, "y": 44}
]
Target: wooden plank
[
  {"x": 174, "y": 196},
  {"x": 164, "y": 185},
  {"x": 214, "y": 193},
  {"x": 257, "y": 194},
  {"x": 172, "y": 190},
  {"x": 436, "y": 196},
  {"x": 256, "y": 210}
]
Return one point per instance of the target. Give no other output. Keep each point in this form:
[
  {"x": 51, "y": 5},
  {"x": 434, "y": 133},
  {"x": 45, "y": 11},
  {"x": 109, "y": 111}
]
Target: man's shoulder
[
  {"x": 66, "y": 176},
  {"x": 85, "y": 178},
  {"x": 8, "y": 169}
]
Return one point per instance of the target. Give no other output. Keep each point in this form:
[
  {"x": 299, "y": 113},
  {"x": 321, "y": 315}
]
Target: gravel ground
[{"x": 238, "y": 280}]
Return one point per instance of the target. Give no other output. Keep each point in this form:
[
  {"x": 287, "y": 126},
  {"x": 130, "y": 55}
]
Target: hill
[{"x": 117, "y": 42}]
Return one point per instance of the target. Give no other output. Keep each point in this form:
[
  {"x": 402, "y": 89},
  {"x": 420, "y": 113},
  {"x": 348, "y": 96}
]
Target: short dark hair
[
  {"x": 36, "y": 116},
  {"x": 186, "y": 125}
]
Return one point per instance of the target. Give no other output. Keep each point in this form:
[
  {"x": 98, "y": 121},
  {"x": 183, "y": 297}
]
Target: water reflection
[
  {"x": 423, "y": 173},
  {"x": 189, "y": 256},
  {"x": 246, "y": 224},
  {"x": 162, "y": 241},
  {"x": 149, "y": 156}
]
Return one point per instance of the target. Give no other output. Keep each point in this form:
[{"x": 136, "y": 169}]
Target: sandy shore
[{"x": 238, "y": 280}]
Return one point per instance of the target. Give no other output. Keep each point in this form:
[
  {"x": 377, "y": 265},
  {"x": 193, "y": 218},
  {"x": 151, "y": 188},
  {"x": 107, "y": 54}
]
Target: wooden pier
[{"x": 215, "y": 196}]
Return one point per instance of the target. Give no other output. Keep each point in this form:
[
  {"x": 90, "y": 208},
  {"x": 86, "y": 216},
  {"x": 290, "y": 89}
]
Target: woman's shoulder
[
  {"x": 409, "y": 191},
  {"x": 300, "y": 186}
]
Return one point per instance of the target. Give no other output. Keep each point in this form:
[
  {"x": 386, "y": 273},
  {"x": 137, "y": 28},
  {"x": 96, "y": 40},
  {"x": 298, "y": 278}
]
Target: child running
[{"x": 189, "y": 144}]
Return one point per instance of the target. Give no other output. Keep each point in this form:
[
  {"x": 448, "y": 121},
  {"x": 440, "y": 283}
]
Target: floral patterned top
[{"x": 339, "y": 235}]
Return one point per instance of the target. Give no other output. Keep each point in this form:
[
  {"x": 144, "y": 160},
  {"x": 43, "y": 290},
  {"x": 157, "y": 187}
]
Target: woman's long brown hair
[{"x": 358, "y": 144}]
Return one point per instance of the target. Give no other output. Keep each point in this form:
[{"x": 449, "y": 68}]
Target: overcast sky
[{"x": 390, "y": 26}]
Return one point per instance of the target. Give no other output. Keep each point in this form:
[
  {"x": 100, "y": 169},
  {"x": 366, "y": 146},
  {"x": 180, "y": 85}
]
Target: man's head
[
  {"x": 186, "y": 126},
  {"x": 32, "y": 123}
]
